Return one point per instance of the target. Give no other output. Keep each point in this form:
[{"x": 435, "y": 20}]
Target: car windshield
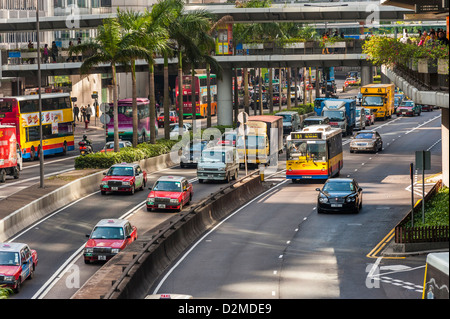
[
  {"x": 365, "y": 136},
  {"x": 372, "y": 100},
  {"x": 407, "y": 103},
  {"x": 341, "y": 186},
  {"x": 213, "y": 156},
  {"x": 9, "y": 258},
  {"x": 104, "y": 232},
  {"x": 334, "y": 115},
  {"x": 286, "y": 117},
  {"x": 314, "y": 150},
  {"x": 167, "y": 186},
  {"x": 307, "y": 122},
  {"x": 120, "y": 171}
]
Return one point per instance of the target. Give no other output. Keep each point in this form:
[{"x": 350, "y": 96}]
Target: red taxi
[
  {"x": 123, "y": 177},
  {"x": 107, "y": 239},
  {"x": 349, "y": 81},
  {"x": 170, "y": 192},
  {"x": 17, "y": 263},
  {"x": 173, "y": 118},
  {"x": 228, "y": 139},
  {"x": 276, "y": 98}
]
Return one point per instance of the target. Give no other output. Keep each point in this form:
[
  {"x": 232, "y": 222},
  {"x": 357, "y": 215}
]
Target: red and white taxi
[
  {"x": 123, "y": 177},
  {"x": 170, "y": 192},
  {"x": 108, "y": 238},
  {"x": 173, "y": 118},
  {"x": 17, "y": 263}
]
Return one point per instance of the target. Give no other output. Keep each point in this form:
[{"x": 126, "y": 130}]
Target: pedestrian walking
[
  {"x": 45, "y": 53},
  {"x": 88, "y": 113},
  {"x": 76, "y": 111},
  {"x": 71, "y": 57},
  {"x": 324, "y": 39},
  {"x": 442, "y": 38},
  {"x": 83, "y": 113},
  {"x": 54, "y": 51}
]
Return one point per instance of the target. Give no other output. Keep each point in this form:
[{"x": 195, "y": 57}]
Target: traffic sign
[
  {"x": 105, "y": 118},
  {"x": 104, "y": 107}
]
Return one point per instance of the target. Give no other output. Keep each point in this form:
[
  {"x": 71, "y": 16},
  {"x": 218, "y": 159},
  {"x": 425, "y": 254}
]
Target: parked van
[
  {"x": 360, "y": 118},
  {"x": 299, "y": 93},
  {"x": 218, "y": 163},
  {"x": 291, "y": 121}
]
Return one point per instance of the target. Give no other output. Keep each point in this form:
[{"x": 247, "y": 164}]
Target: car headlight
[
  {"x": 323, "y": 200},
  {"x": 150, "y": 201},
  {"x": 350, "y": 199},
  {"x": 89, "y": 250},
  {"x": 8, "y": 278},
  {"x": 126, "y": 183},
  {"x": 104, "y": 183},
  {"x": 115, "y": 251},
  {"x": 174, "y": 201}
]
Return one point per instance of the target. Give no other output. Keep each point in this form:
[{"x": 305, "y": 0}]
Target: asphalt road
[{"x": 277, "y": 246}]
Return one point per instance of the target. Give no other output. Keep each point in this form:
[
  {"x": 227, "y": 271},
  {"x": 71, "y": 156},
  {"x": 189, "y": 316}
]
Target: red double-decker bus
[{"x": 201, "y": 95}]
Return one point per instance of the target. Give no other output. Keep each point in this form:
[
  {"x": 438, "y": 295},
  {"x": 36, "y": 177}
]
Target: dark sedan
[{"x": 339, "y": 195}]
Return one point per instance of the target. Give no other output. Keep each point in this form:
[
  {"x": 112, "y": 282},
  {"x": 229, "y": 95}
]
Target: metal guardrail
[{"x": 161, "y": 234}]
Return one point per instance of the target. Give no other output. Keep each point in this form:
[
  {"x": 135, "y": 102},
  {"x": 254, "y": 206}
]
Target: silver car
[{"x": 366, "y": 140}]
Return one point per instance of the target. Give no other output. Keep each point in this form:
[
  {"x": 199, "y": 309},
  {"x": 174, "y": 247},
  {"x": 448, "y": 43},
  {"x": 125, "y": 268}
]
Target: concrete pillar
[
  {"x": 224, "y": 99},
  {"x": 366, "y": 74},
  {"x": 445, "y": 146}
]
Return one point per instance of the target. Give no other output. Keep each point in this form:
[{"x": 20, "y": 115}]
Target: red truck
[{"x": 10, "y": 155}]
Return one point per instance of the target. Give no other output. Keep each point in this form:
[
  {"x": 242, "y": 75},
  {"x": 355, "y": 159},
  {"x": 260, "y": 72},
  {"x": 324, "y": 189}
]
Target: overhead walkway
[{"x": 286, "y": 12}]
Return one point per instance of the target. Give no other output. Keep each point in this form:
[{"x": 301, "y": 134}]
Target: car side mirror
[
  {"x": 360, "y": 189},
  {"x": 150, "y": 188},
  {"x": 87, "y": 235},
  {"x": 318, "y": 189},
  {"x": 104, "y": 173}
]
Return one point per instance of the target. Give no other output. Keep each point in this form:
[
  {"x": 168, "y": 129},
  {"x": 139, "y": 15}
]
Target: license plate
[
  {"x": 336, "y": 205},
  {"x": 210, "y": 176},
  {"x": 161, "y": 206},
  {"x": 114, "y": 188},
  {"x": 101, "y": 257}
]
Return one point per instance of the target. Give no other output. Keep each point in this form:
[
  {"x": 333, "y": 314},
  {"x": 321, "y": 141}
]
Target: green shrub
[
  {"x": 436, "y": 211},
  {"x": 127, "y": 154}
]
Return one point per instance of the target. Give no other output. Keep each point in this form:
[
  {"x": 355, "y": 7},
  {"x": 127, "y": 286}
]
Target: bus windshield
[
  {"x": 372, "y": 100},
  {"x": 314, "y": 150}
]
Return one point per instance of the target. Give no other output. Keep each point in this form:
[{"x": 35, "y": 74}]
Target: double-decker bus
[
  {"x": 57, "y": 123},
  {"x": 314, "y": 153},
  {"x": 125, "y": 115},
  {"x": 201, "y": 95}
]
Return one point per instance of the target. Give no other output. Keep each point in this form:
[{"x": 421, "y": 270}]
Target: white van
[
  {"x": 299, "y": 93},
  {"x": 218, "y": 163},
  {"x": 360, "y": 118}
]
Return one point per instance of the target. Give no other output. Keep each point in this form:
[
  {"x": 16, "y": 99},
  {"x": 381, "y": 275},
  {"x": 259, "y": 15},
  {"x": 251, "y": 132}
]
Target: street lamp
[{"x": 41, "y": 146}]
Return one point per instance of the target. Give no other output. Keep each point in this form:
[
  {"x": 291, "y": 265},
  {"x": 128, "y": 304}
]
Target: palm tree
[
  {"x": 168, "y": 11},
  {"x": 134, "y": 25},
  {"x": 182, "y": 29},
  {"x": 107, "y": 47}
]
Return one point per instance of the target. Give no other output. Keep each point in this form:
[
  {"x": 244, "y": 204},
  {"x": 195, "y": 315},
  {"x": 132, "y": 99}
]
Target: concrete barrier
[
  {"x": 39, "y": 208},
  {"x": 154, "y": 259}
]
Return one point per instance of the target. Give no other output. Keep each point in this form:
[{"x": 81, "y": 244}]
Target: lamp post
[{"x": 41, "y": 146}]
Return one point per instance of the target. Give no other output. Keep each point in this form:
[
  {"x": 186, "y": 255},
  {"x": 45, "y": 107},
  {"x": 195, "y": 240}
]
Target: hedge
[{"x": 103, "y": 160}]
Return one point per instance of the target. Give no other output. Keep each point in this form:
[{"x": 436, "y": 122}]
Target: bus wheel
[{"x": 2, "y": 175}]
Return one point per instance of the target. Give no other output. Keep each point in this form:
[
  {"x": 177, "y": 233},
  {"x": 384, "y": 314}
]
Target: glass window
[
  {"x": 107, "y": 233},
  {"x": 167, "y": 186},
  {"x": 372, "y": 100},
  {"x": 8, "y": 258}
]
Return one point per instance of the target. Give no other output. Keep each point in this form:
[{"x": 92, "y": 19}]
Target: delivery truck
[
  {"x": 380, "y": 98},
  {"x": 264, "y": 139},
  {"x": 10, "y": 156},
  {"x": 342, "y": 114}
]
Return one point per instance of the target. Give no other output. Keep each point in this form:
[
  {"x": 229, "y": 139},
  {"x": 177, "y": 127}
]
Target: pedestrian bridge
[
  {"x": 367, "y": 12},
  {"x": 347, "y": 52}
]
